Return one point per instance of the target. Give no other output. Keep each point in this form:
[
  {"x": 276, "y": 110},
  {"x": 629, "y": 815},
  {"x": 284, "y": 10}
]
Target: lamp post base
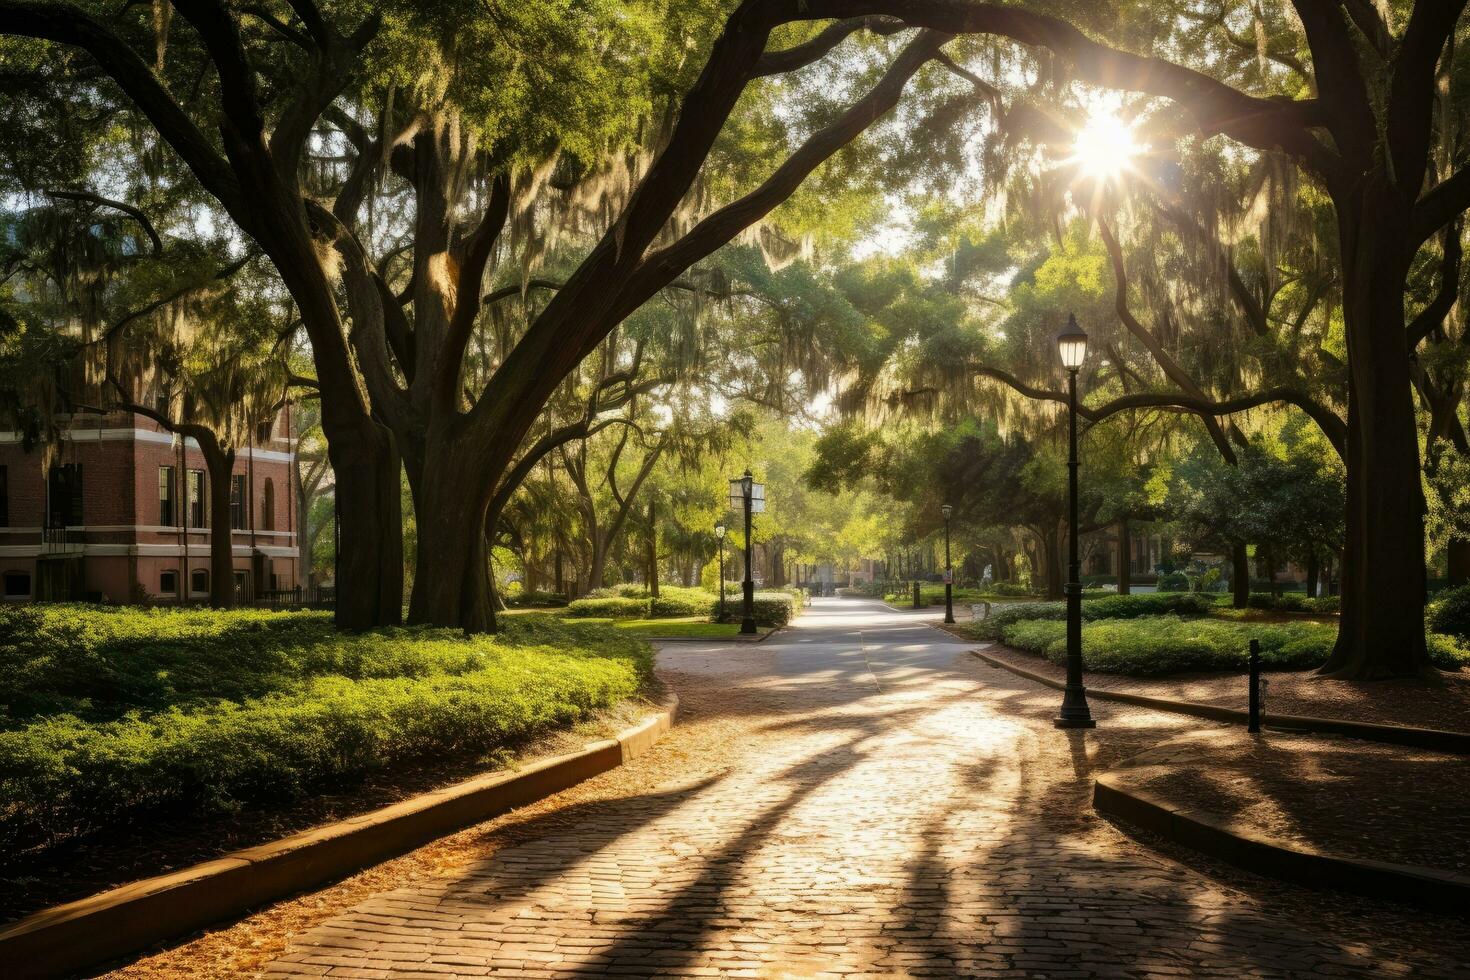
[
  {"x": 747, "y": 627},
  {"x": 1073, "y": 723}
]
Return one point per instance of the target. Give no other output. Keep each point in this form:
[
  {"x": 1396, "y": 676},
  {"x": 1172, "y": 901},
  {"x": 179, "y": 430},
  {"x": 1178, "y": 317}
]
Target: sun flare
[{"x": 1106, "y": 146}]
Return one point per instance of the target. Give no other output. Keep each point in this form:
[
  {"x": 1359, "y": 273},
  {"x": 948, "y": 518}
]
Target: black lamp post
[
  {"x": 948, "y": 569},
  {"x": 752, "y": 497},
  {"x": 1072, "y": 346},
  {"x": 720, "y": 534}
]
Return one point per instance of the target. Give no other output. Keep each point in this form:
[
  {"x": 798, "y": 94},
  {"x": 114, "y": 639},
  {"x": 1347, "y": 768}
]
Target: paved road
[{"x": 858, "y": 796}]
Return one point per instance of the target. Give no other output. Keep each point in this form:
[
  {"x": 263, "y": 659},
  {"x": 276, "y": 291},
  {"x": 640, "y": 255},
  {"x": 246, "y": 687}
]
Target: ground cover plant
[
  {"x": 112, "y": 714},
  {"x": 1151, "y": 646},
  {"x": 1106, "y": 607},
  {"x": 773, "y": 607}
]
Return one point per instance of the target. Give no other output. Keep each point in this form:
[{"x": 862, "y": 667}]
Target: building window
[
  {"x": 64, "y": 495},
  {"x": 196, "y": 498},
  {"x": 167, "y": 516},
  {"x": 168, "y": 583},
  {"x": 199, "y": 582},
  {"x": 263, "y": 432},
  {"x": 268, "y": 506},
  {"x": 17, "y": 585},
  {"x": 4, "y": 499},
  {"x": 237, "y": 501},
  {"x": 242, "y": 581}
]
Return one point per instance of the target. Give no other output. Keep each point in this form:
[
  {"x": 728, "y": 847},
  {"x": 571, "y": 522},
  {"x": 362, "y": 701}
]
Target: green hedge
[
  {"x": 110, "y": 715},
  {"x": 1292, "y": 602},
  {"x": 1156, "y": 645},
  {"x": 773, "y": 607},
  {"x": 676, "y": 601},
  {"x": 1108, "y": 607},
  {"x": 1450, "y": 612},
  {"x": 608, "y": 607}
]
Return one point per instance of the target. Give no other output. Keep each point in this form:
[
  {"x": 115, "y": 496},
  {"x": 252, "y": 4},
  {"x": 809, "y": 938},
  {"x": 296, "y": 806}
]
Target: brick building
[{"x": 121, "y": 514}]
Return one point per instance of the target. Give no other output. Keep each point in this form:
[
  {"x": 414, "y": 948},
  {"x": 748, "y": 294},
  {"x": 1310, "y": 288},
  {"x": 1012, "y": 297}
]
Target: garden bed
[
  {"x": 132, "y": 742},
  {"x": 1415, "y": 703},
  {"x": 1337, "y": 796}
]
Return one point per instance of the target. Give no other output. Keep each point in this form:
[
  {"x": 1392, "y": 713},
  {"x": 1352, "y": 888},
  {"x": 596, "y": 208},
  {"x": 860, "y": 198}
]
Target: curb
[
  {"x": 737, "y": 638},
  {"x": 1457, "y": 743},
  {"x": 1217, "y": 836},
  {"x": 132, "y": 917}
]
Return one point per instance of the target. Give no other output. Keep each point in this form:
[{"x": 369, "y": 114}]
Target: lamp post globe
[
  {"x": 720, "y": 536},
  {"x": 947, "y": 511},
  {"x": 1072, "y": 349}
]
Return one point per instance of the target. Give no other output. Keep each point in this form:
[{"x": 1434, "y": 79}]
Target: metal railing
[{"x": 61, "y": 541}]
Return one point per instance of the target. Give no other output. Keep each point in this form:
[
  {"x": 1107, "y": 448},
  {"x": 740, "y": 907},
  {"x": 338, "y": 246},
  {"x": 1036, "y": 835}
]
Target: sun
[{"x": 1105, "y": 146}]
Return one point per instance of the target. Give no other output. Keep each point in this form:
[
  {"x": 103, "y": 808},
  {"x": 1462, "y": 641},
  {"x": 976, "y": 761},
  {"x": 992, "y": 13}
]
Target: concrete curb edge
[
  {"x": 1457, "y": 743},
  {"x": 132, "y": 917},
  {"x": 1215, "y": 835}
]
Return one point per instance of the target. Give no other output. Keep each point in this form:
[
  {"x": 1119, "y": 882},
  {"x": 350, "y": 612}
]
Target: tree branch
[
  {"x": 467, "y": 293},
  {"x": 135, "y": 213},
  {"x": 1432, "y": 316},
  {"x": 1445, "y": 202},
  {"x": 64, "y": 23},
  {"x": 801, "y": 55},
  {"x": 1333, "y": 427}
]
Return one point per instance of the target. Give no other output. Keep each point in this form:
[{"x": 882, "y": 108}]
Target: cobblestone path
[{"x": 858, "y": 796}]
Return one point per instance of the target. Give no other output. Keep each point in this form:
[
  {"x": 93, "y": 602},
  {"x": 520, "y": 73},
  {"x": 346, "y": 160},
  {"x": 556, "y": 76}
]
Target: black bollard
[
  {"x": 1253, "y": 724},
  {"x": 917, "y": 598}
]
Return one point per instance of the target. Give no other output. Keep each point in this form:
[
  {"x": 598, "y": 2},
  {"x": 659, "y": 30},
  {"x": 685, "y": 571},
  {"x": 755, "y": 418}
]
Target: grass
[{"x": 109, "y": 715}]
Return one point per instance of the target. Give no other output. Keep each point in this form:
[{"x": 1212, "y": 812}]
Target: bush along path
[
  {"x": 118, "y": 719},
  {"x": 1171, "y": 633}
]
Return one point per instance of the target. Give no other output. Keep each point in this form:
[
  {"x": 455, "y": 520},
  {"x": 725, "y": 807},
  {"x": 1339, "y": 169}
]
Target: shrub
[
  {"x": 199, "y": 711},
  {"x": 1450, "y": 613},
  {"x": 1294, "y": 602},
  {"x": 1157, "y": 645},
  {"x": 536, "y": 598},
  {"x": 1108, "y": 607},
  {"x": 1010, "y": 589},
  {"x": 608, "y": 607},
  {"x": 1173, "y": 582},
  {"x": 675, "y": 601}
]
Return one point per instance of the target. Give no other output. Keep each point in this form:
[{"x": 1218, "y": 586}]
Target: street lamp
[
  {"x": 720, "y": 534},
  {"x": 751, "y": 496},
  {"x": 947, "y": 510},
  {"x": 1072, "y": 347}
]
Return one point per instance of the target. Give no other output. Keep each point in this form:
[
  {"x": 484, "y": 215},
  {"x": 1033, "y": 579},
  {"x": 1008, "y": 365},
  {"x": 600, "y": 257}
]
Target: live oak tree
[{"x": 1362, "y": 124}]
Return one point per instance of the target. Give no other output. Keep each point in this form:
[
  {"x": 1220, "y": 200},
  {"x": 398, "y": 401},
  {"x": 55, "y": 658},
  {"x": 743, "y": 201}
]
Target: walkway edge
[
  {"x": 1217, "y": 836},
  {"x": 126, "y": 919},
  {"x": 1418, "y": 738}
]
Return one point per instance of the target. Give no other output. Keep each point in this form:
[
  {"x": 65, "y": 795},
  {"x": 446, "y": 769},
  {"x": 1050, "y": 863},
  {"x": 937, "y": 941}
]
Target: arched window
[{"x": 268, "y": 506}]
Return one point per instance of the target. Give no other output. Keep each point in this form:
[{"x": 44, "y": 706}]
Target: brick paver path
[{"x": 859, "y": 796}]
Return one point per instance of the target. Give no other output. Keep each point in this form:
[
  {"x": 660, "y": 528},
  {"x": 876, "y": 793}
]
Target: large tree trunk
[
  {"x": 219, "y": 464},
  {"x": 1313, "y": 573},
  {"x": 651, "y": 559},
  {"x": 370, "y": 512},
  {"x": 1240, "y": 575},
  {"x": 1383, "y": 578},
  {"x": 1050, "y": 555},
  {"x": 452, "y": 572},
  {"x": 1457, "y": 560},
  {"x": 1125, "y": 559}
]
